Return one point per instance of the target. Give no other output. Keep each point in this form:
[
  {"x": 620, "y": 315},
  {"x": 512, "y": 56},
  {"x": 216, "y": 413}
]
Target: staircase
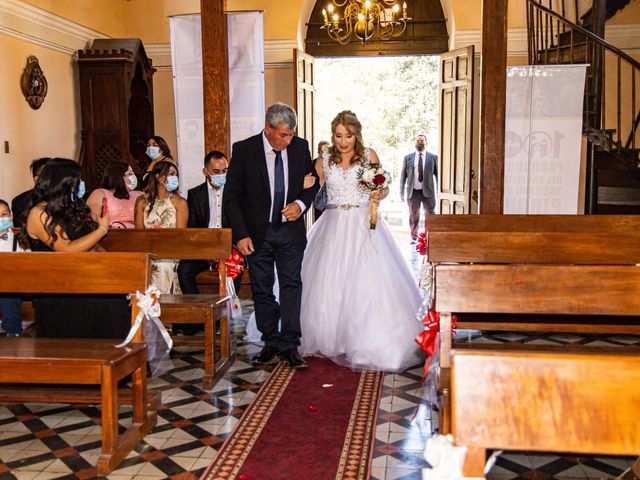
[{"x": 559, "y": 32}]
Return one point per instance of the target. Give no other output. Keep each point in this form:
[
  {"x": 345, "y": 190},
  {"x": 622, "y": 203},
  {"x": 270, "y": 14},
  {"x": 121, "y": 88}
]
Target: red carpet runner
[{"x": 313, "y": 424}]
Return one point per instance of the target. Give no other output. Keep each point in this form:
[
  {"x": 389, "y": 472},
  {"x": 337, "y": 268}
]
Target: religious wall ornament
[{"x": 33, "y": 83}]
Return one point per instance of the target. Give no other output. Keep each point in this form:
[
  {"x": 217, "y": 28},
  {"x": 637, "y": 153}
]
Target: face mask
[
  {"x": 420, "y": 146},
  {"x": 131, "y": 182},
  {"x": 81, "y": 189},
  {"x": 5, "y": 223},
  {"x": 218, "y": 181},
  {"x": 153, "y": 152},
  {"x": 172, "y": 183}
]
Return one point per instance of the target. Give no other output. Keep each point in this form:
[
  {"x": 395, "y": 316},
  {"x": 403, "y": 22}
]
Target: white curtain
[
  {"x": 246, "y": 86},
  {"x": 543, "y": 139}
]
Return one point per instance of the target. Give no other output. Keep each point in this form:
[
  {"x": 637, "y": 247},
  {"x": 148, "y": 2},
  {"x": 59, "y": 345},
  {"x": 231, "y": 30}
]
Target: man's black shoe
[
  {"x": 293, "y": 359},
  {"x": 267, "y": 356}
]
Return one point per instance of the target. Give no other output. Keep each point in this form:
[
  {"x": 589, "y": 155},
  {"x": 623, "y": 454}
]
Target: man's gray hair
[{"x": 281, "y": 114}]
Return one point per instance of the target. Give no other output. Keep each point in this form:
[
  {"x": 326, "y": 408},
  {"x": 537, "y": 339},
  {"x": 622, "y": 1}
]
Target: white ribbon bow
[{"x": 149, "y": 304}]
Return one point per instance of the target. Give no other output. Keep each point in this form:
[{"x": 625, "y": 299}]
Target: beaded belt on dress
[{"x": 346, "y": 206}]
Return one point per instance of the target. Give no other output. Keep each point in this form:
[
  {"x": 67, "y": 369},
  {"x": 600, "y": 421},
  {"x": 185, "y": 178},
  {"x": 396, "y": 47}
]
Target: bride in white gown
[{"x": 359, "y": 299}]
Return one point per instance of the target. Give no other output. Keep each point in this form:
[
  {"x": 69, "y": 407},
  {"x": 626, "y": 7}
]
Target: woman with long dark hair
[
  {"x": 162, "y": 207},
  {"x": 119, "y": 191},
  {"x": 58, "y": 220}
]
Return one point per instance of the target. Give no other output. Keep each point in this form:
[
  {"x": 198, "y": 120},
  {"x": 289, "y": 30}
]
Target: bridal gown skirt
[{"x": 359, "y": 298}]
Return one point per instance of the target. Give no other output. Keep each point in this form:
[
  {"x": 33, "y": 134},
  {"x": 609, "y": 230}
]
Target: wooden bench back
[
  {"x": 99, "y": 273},
  {"x": 535, "y": 239},
  {"x": 538, "y": 289},
  {"x": 583, "y": 401},
  {"x": 172, "y": 243}
]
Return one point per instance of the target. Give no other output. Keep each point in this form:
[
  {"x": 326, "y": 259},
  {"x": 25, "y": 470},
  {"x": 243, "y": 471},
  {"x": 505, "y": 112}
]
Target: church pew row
[
  {"x": 551, "y": 399},
  {"x": 535, "y": 273},
  {"x": 64, "y": 370},
  {"x": 206, "y": 309}
]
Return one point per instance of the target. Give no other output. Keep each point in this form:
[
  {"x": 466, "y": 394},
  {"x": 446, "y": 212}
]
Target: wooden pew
[
  {"x": 510, "y": 276},
  {"x": 188, "y": 244},
  {"x": 61, "y": 361},
  {"x": 545, "y": 399}
]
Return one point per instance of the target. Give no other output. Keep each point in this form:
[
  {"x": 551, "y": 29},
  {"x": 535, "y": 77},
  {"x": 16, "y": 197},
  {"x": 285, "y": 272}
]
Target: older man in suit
[
  {"x": 264, "y": 200},
  {"x": 418, "y": 179}
]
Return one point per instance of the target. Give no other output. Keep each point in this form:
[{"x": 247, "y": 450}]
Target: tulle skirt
[{"x": 359, "y": 298}]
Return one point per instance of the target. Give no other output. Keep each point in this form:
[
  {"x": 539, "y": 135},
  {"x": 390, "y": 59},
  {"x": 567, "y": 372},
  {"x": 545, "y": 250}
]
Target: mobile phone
[{"x": 103, "y": 211}]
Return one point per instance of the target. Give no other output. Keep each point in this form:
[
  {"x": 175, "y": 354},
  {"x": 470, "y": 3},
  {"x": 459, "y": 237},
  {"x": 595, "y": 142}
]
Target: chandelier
[{"x": 364, "y": 19}]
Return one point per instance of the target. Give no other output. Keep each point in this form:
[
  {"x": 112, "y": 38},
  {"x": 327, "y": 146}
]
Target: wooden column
[
  {"x": 492, "y": 105},
  {"x": 215, "y": 76}
]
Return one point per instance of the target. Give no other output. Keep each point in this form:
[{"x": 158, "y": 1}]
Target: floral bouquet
[{"x": 373, "y": 178}]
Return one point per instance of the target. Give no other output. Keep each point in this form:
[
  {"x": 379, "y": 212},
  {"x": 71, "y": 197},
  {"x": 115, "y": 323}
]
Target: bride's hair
[{"x": 347, "y": 119}]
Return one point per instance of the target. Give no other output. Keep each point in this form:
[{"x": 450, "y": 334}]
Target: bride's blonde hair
[{"x": 347, "y": 119}]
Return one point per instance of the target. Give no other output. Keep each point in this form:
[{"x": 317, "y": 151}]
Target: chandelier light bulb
[
  {"x": 367, "y": 5},
  {"x": 360, "y": 16},
  {"x": 335, "y": 17},
  {"x": 330, "y": 8},
  {"x": 396, "y": 8}
]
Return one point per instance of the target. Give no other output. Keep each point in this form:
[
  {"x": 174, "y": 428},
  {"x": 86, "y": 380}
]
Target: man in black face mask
[{"x": 417, "y": 183}]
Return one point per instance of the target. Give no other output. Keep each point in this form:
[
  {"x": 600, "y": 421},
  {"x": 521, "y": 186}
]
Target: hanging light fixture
[{"x": 364, "y": 19}]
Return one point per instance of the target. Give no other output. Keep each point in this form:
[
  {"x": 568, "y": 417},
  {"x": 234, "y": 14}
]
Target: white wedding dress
[{"x": 359, "y": 298}]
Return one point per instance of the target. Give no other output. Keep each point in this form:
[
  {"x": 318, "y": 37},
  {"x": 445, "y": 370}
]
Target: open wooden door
[
  {"x": 303, "y": 104},
  {"x": 304, "y": 95},
  {"x": 456, "y": 116}
]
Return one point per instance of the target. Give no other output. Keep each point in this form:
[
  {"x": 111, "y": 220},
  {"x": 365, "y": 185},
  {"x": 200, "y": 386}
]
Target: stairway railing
[{"x": 553, "y": 39}]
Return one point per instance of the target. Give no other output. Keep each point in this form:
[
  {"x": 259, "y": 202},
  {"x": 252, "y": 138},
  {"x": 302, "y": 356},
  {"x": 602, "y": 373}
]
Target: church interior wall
[{"x": 52, "y": 130}]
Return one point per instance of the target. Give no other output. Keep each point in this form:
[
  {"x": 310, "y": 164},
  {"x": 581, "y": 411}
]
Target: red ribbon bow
[
  {"x": 234, "y": 264},
  {"x": 427, "y": 338},
  {"x": 422, "y": 245}
]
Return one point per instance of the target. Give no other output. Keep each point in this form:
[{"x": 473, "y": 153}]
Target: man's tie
[
  {"x": 420, "y": 169},
  {"x": 278, "y": 191}
]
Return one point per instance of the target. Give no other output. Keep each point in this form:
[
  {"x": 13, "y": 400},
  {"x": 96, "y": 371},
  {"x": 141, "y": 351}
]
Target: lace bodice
[{"x": 342, "y": 185}]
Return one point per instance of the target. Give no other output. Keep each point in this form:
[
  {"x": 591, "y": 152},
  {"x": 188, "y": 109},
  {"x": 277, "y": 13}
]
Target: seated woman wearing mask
[
  {"x": 161, "y": 207},
  {"x": 118, "y": 190},
  {"x": 158, "y": 151}
]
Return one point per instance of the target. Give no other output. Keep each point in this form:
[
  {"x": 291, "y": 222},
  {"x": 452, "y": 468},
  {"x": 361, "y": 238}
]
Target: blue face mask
[
  {"x": 153, "y": 152},
  {"x": 81, "y": 189},
  {"x": 172, "y": 183},
  {"x": 5, "y": 223},
  {"x": 218, "y": 181}
]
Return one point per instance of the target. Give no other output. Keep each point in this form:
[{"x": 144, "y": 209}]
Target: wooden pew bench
[
  {"x": 206, "y": 309},
  {"x": 549, "y": 399},
  {"x": 30, "y": 368},
  {"x": 557, "y": 273}
]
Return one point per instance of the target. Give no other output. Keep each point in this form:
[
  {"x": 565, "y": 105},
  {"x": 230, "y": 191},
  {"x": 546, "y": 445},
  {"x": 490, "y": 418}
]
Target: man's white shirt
[
  {"x": 417, "y": 185},
  {"x": 270, "y": 156},
  {"x": 215, "y": 206}
]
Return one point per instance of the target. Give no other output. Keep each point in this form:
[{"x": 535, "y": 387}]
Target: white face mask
[{"x": 131, "y": 181}]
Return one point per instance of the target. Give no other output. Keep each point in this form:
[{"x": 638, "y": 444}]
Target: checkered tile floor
[{"x": 46, "y": 441}]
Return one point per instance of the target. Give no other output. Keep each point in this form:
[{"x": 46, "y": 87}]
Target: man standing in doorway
[
  {"x": 264, "y": 200},
  {"x": 418, "y": 179}
]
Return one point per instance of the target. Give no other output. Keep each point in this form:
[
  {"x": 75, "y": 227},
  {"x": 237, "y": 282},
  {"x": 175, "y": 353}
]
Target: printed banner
[
  {"x": 246, "y": 86},
  {"x": 543, "y": 139}
]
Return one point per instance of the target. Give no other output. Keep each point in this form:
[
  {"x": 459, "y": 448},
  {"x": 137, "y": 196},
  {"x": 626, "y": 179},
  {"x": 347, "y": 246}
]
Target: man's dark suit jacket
[
  {"x": 19, "y": 206},
  {"x": 198, "y": 201},
  {"x": 247, "y": 194}
]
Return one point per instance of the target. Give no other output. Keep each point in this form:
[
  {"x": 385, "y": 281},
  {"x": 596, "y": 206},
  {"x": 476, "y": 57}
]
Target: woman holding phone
[{"x": 58, "y": 220}]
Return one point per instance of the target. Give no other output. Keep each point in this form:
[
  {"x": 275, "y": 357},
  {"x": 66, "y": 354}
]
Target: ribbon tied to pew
[
  {"x": 234, "y": 264},
  {"x": 427, "y": 338},
  {"x": 159, "y": 342},
  {"x": 422, "y": 244}
]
